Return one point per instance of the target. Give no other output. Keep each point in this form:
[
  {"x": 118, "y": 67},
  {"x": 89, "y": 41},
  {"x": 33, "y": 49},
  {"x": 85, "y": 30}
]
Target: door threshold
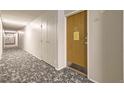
[{"x": 81, "y": 73}]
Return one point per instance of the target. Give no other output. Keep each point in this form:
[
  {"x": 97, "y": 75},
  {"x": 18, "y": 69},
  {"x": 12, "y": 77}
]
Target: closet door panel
[
  {"x": 43, "y": 37},
  {"x": 51, "y": 39}
]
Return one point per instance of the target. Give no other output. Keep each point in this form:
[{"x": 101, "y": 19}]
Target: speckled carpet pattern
[{"x": 18, "y": 66}]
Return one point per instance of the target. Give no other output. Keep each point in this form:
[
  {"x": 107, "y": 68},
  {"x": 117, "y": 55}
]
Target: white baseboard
[
  {"x": 93, "y": 80},
  {"x": 59, "y": 68},
  {"x": 32, "y": 54},
  {"x": 38, "y": 57}
]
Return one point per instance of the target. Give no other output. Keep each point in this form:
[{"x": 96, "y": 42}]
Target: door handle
[
  {"x": 85, "y": 43},
  {"x": 85, "y": 37}
]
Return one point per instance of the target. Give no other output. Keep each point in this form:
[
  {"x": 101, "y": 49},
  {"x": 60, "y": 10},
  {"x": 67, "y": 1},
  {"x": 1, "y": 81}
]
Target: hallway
[
  {"x": 95, "y": 42},
  {"x": 19, "y": 66}
]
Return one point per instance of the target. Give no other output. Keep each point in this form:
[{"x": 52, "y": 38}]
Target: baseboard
[
  {"x": 32, "y": 54},
  {"x": 93, "y": 80},
  {"x": 78, "y": 68},
  {"x": 78, "y": 71},
  {"x": 38, "y": 58},
  {"x": 59, "y": 68}
]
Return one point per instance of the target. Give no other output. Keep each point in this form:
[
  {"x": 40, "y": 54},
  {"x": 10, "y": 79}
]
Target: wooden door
[{"x": 77, "y": 39}]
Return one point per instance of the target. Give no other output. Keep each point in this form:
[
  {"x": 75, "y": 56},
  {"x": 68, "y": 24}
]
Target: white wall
[
  {"x": 40, "y": 37},
  {"x": 67, "y": 12},
  {"x": 61, "y": 37},
  {"x": 105, "y": 49},
  {"x": 123, "y": 45},
  {"x": 46, "y": 43},
  {"x": 51, "y": 38},
  {"x": 1, "y": 30},
  {"x": 21, "y": 38},
  {"x": 32, "y": 38}
]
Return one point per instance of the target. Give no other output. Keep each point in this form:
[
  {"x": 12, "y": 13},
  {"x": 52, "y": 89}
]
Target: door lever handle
[
  {"x": 85, "y": 43},
  {"x": 85, "y": 38}
]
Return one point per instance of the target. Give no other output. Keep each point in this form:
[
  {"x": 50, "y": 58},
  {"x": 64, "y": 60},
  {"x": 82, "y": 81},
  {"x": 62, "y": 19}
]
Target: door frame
[{"x": 70, "y": 14}]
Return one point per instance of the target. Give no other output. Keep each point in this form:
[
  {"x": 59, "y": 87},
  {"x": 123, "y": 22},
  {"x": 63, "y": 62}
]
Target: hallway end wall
[{"x": 15, "y": 44}]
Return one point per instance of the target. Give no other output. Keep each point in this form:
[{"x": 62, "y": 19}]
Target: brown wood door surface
[{"x": 77, "y": 39}]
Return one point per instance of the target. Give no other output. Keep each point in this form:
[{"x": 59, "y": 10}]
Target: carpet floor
[{"x": 18, "y": 66}]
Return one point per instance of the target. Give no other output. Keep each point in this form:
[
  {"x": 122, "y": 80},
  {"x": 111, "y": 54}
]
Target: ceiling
[{"x": 18, "y": 19}]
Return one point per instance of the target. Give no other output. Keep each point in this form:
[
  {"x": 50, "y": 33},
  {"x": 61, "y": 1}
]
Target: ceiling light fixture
[{"x": 13, "y": 22}]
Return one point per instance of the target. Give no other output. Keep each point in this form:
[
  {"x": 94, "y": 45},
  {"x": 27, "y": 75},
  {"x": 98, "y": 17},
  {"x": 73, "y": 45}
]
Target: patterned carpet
[{"x": 18, "y": 66}]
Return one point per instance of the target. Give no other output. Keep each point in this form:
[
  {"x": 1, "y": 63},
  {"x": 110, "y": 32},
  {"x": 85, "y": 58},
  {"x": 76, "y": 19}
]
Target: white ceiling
[{"x": 17, "y": 19}]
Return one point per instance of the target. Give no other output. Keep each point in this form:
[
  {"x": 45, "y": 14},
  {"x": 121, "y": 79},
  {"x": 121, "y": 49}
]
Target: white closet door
[
  {"x": 48, "y": 38},
  {"x": 43, "y": 38},
  {"x": 51, "y": 39}
]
